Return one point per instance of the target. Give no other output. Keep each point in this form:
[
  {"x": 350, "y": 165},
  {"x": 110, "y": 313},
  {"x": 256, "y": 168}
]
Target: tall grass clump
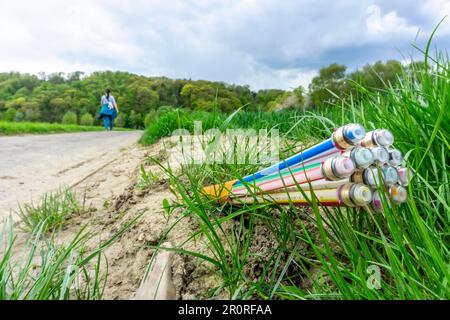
[
  {"x": 168, "y": 122},
  {"x": 45, "y": 269},
  {"x": 51, "y": 212},
  {"x": 284, "y": 121},
  {"x": 343, "y": 253}
]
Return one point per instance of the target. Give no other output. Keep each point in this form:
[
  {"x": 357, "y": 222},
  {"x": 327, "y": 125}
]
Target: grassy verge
[
  {"x": 51, "y": 213},
  {"x": 15, "y": 128},
  {"x": 340, "y": 253},
  {"x": 168, "y": 122},
  {"x": 45, "y": 269}
]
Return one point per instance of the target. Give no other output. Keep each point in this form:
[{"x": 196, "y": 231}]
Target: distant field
[{"x": 13, "y": 128}]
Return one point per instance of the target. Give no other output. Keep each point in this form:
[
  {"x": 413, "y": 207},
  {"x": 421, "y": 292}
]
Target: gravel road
[{"x": 32, "y": 165}]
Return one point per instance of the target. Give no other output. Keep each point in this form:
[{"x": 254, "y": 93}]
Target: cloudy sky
[{"x": 263, "y": 43}]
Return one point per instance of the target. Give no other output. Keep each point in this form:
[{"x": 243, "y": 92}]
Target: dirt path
[
  {"x": 32, "y": 165},
  {"x": 110, "y": 188}
]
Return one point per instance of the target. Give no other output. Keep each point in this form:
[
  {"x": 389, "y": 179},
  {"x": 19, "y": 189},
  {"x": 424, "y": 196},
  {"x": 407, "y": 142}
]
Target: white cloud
[
  {"x": 388, "y": 25},
  {"x": 39, "y": 33},
  {"x": 437, "y": 10},
  {"x": 264, "y": 43},
  {"x": 261, "y": 77}
]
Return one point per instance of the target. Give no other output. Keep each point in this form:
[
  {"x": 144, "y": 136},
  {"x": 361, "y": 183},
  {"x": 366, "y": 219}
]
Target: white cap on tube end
[
  {"x": 344, "y": 167},
  {"x": 380, "y": 155},
  {"x": 399, "y": 194},
  {"x": 384, "y": 138},
  {"x": 395, "y": 157},
  {"x": 363, "y": 157},
  {"x": 362, "y": 195},
  {"x": 405, "y": 176},
  {"x": 372, "y": 177},
  {"x": 354, "y": 133},
  {"x": 391, "y": 176}
]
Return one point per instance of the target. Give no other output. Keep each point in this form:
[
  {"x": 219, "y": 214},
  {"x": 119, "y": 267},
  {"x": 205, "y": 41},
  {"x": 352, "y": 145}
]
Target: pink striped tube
[
  {"x": 319, "y": 159},
  {"x": 333, "y": 169}
]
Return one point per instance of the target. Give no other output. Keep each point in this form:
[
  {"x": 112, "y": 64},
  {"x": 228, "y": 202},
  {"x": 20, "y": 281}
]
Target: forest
[{"x": 74, "y": 98}]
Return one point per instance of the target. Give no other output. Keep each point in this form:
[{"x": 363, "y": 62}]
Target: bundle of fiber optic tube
[{"x": 347, "y": 170}]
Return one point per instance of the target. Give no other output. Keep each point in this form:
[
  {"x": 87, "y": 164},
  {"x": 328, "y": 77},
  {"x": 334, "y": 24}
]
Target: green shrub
[
  {"x": 70, "y": 118},
  {"x": 164, "y": 109},
  {"x": 135, "y": 120},
  {"x": 87, "y": 120},
  {"x": 20, "y": 116},
  {"x": 171, "y": 121},
  {"x": 150, "y": 117},
  {"x": 9, "y": 115},
  {"x": 165, "y": 125},
  {"x": 284, "y": 121},
  {"x": 51, "y": 212},
  {"x": 121, "y": 120}
]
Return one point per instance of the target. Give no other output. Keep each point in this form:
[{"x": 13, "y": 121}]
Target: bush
[
  {"x": 9, "y": 115},
  {"x": 51, "y": 213},
  {"x": 121, "y": 120},
  {"x": 87, "y": 120},
  {"x": 164, "y": 109},
  {"x": 70, "y": 118},
  {"x": 150, "y": 117},
  {"x": 135, "y": 120},
  {"x": 168, "y": 122}
]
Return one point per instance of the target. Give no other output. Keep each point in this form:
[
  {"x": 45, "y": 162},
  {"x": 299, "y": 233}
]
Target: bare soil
[{"x": 114, "y": 198}]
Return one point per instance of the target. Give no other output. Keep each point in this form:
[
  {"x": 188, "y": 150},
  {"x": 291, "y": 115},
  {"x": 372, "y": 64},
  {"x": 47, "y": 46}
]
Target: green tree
[
  {"x": 265, "y": 99},
  {"x": 31, "y": 111},
  {"x": 329, "y": 83},
  {"x": 135, "y": 120},
  {"x": 70, "y": 118},
  {"x": 378, "y": 75},
  {"x": 56, "y": 109},
  {"x": 300, "y": 96},
  {"x": 121, "y": 120},
  {"x": 143, "y": 98},
  {"x": 16, "y": 103},
  {"x": 19, "y": 117},
  {"x": 56, "y": 78},
  {"x": 203, "y": 95}
]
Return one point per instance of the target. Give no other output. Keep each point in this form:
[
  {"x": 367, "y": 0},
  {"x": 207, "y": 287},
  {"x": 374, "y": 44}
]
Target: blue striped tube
[{"x": 343, "y": 138}]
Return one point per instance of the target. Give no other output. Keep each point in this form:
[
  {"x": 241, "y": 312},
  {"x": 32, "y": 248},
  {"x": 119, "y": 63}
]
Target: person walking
[{"x": 109, "y": 110}]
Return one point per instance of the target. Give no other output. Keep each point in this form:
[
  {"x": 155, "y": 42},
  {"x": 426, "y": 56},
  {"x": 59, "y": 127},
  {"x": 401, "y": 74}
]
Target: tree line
[{"x": 75, "y": 97}]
